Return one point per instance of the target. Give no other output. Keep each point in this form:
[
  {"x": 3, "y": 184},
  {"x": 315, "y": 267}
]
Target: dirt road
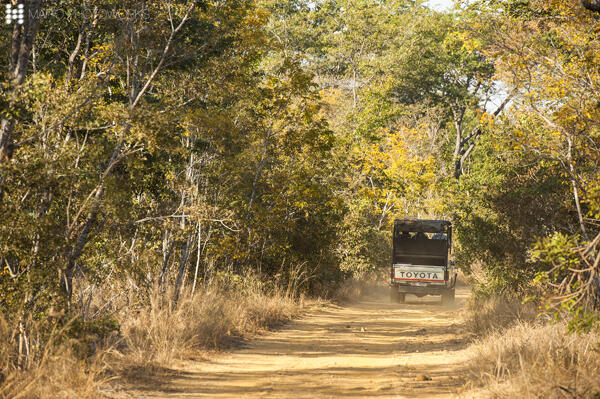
[{"x": 371, "y": 348}]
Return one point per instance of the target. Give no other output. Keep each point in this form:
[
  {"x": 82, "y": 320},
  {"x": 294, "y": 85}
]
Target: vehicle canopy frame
[{"x": 410, "y": 225}]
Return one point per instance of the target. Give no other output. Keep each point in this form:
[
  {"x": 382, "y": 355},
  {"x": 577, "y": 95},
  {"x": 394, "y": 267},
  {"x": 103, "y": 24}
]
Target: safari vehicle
[{"x": 420, "y": 264}]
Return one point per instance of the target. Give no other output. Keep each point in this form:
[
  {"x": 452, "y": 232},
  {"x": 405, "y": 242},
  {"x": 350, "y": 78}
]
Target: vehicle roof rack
[{"x": 422, "y": 225}]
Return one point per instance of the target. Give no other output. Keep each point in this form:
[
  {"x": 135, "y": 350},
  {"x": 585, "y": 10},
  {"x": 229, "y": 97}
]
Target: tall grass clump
[
  {"x": 486, "y": 315},
  {"x": 520, "y": 353},
  {"x": 49, "y": 368},
  {"x": 138, "y": 332},
  {"x": 537, "y": 361},
  {"x": 162, "y": 332}
]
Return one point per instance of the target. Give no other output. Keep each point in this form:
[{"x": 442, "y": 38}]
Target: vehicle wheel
[
  {"x": 448, "y": 297},
  {"x": 401, "y": 297},
  {"x": 397, "y": 297}
]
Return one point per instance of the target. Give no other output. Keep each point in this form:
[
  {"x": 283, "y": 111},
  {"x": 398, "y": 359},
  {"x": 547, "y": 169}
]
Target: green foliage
[
  {"x": 123, "y": 170},
  {"x": 534, "y": 181},
  {"x": 570, "y": 282},
  {"x": 557, "y": 248},
  {"x": 501, "y": 208},
  {"x": 363, "y": 248},
  {"x": 189, "y": 140}
]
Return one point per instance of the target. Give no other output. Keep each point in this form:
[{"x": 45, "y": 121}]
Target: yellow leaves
[
  {"x": 593, "y": 197},
  {"x": 399, "y": 175},
  {"x": 101, "y": 55},
  {"x": 464, "y": 41},
  {"x": 487, "y": 120},
  {"x": 331, "y": 96},
  {"x": 518, "y": 133},
  {"x": 252, "y": 24},
  {"x": 184, "y": 127}
]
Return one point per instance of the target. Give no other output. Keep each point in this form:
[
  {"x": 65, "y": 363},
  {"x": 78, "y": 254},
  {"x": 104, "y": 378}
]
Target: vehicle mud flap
[{"x": 397, "y": 297}]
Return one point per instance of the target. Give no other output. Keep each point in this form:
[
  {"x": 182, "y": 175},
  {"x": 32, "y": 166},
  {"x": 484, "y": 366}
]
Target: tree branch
[{"x": 163, "y": 56}]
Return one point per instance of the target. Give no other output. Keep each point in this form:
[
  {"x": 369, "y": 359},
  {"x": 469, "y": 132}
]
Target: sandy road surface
[{"x": 368, "y": 349}]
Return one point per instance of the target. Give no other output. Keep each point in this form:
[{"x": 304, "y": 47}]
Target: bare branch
[{"x": 163, "y": 56}]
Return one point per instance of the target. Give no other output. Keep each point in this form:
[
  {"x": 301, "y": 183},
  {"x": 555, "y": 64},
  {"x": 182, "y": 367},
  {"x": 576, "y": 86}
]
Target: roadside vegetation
[
  {"x": 174, "y": 174},
  {"x": 87, "y": 360},
  {"x": 517, "y": 353}
]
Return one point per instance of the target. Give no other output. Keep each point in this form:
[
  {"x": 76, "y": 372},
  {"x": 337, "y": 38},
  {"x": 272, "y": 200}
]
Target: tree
[
  {"x": 21, "y": 43},
  {"x": 547, "y": 146}
]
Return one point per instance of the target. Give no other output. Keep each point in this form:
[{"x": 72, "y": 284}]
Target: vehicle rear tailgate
[{"x": 418, "y": 273}]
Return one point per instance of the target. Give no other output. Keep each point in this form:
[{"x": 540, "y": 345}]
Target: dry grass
[
  {"x": 540, "y": 361},
  {"x": 517, "y": 356},
  {"x": 484, "y": 316},
  {"x": 56, "y": 371},
  {"x": 153, "y": 335},
  {"x": 159, "y": 334}
]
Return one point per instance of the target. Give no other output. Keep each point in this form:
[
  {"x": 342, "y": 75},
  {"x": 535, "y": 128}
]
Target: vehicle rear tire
[
  {"x": 397, "y": 297},
  {"x": 448, "y": 297}
]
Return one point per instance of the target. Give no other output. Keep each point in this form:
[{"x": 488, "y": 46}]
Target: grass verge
[
  {"x": 153, "y": 334},
  {"x": 518, "y": 355}
]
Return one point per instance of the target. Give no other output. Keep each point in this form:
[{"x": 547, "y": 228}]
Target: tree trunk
[
  {"x": 66, "y": 275},
  {"x": 183, "y": 263},
  {"x": 20, "y": 52},
  {"x": 458, "y": 141},
  {"x": 465, "y": 145},
  {"x": 575, "y": 189}
]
